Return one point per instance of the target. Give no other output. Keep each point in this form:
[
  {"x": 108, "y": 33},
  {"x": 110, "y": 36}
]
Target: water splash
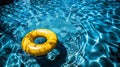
[{"x": 87, "y": 30}]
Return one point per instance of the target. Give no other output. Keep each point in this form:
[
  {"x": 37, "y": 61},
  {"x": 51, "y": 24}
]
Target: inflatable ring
[{"x": 32, "y": 48}]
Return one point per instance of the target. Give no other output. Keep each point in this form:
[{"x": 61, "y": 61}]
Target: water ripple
[{"x": 88, "y": 32}]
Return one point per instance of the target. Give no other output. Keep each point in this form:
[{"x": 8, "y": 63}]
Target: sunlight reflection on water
[{"x": 88, "y": 32}]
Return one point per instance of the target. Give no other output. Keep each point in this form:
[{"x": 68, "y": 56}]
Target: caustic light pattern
[{"x": 88, "y": 32}]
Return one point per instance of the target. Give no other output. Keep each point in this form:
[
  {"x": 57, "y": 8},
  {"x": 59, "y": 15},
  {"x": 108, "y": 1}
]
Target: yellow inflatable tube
[{"x": 30, "y": 47}]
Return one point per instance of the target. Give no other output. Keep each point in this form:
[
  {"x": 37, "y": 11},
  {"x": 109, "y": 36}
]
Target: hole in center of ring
[{"x": 40, "y": 40}]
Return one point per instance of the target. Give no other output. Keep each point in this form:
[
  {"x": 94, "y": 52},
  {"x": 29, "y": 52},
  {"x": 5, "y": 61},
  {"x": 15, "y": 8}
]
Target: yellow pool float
[{"x": 32, "y": 48}]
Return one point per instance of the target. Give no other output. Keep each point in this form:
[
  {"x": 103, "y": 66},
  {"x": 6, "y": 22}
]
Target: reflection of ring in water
[{"x": 30, "y": 47}]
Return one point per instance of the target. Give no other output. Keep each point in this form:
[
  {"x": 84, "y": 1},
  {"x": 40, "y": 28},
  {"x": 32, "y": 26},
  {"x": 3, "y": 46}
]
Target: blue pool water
[{"x": 88, "y": 32}]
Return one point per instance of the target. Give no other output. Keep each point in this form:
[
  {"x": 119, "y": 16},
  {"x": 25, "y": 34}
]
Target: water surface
[{"x": 88, "y": 32}]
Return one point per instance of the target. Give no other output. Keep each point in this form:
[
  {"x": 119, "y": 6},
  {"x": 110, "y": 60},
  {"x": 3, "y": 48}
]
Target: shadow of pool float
[
  {"x": 5, "y": 2},
  {"x": 57, "y": 62}
]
